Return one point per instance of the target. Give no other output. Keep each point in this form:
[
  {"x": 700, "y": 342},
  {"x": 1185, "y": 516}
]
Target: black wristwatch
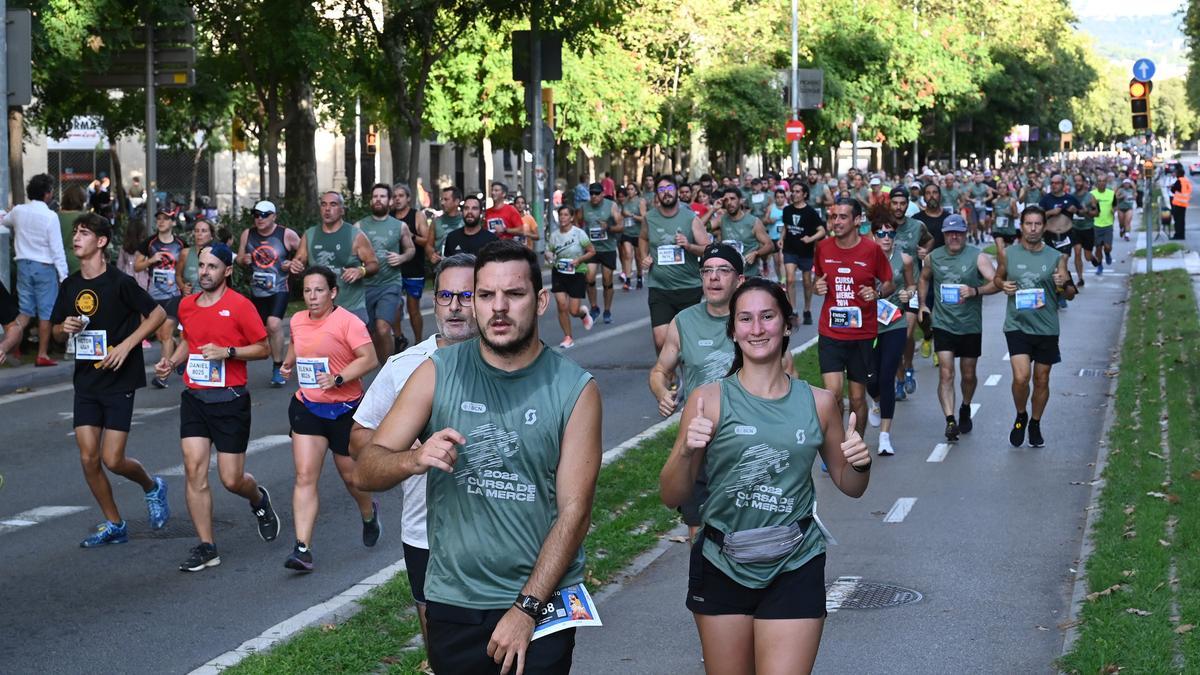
[
  {"x": 338, "y": 380},
  {"x": 530, "y": 605},
  {"x": 232, "y": 352}
]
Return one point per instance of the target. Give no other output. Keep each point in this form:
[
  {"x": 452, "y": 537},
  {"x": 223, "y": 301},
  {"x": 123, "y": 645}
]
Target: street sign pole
[
  {"x": 535, "y": 76},
  {"x": 1149, "y": 207},
  {"x": 4, "y": 177},
  {"x": 151, "y": 128},
  {"x": 795, "y": 81}
]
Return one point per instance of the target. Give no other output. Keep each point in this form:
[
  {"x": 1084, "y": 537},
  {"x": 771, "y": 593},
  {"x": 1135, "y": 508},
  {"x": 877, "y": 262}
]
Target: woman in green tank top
[
  {"x": 1004, "y": 230},
  {"x": 759, "y": 431},
  {"x": 187, "y": 274}
]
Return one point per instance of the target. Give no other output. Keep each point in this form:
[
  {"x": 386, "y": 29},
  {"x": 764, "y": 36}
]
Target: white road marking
[
  {"x": 34, "y": 516},
  {"x": 812, "y": 341},
  {"x": 975, "y": 409},
  {"x": 1007, "y": 357},
  {"x": 612, "y": 332},
  {"x": 256, "y": 445},
  {"x": 838, "y": 591},
  {"x": 939, "y": 452},
  {"x": 993, "y": 380},
  {"x": 54, "y": 389},
  {"x": 899, "y": 510}
]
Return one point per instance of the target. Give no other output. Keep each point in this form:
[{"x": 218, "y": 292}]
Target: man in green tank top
[
  {"x": 959, "y": 275},
  {"x": 511, "y": 451},
  {"x": 670, "y": 244},
  {"x": 603, "y": 225},
  {"x": 1033, "y": 276},
  {"x": 742, "y": 230},
  {"x": 393, "y": 245},
  {"x": 450, "y": 220},
  {"x": 1083, "y": 223},
  {"x": 341, "y": 247}
]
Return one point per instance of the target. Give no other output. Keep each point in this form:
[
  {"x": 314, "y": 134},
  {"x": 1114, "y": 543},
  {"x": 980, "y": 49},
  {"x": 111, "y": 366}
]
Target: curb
[{"x": 32, "y": 377}]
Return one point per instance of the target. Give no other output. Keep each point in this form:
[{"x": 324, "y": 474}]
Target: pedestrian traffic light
[
  {"x": 237, "y": 135},
  {"x": 1139, "y": 103},
  {"x": 372, "y": 140}
]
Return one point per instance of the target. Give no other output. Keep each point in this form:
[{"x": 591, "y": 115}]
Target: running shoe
[
  {"x": 1108, "y": 258},
  {"x": 156, "y": 504},
  {"x": 901, "y": 394},
  {"x": 300, "y": 559},
  {"x": 807, "y": 318},
  {"x": 936, "y": 361},
  {"x": 202, "y": 555},
  {"x": 626, "y": 286},
  {"x": 885, "y": 445},
  {"x": 567, "y": 343},
  {"x": 1095, "y": 262},
  {"x": 1035, "y": 434},
  {"x": 277, "y": 380},
  {"x": 607, "y": 316},
  {"x": 159, "y": 383},
  {"x": 639, "y": 283},
  {"x": 371, "y": 528},
  {"x": 1100, "y": 269},
  {"x": 268, "y": 521},
  {"x": 107, "y": 533},
  {"x": 594, "y": 312},
  {"x": 399, "y": 343},
  {"x": 1062, "y": 302},
  {"x": 1016, "y": 437},
  {"x": 624, "y": 279},
  {"x": 964, "y": 419},
  {"x": 44, "y": 362},
  {"x": 589, "y": 320},
  {"x": 926, "y": 348},
  {"x": 1079, "y": 286},
  {"x": 873, "y": 416},
  {"x": 910, "y": 382},
  {"x": 952, "y": 430}
]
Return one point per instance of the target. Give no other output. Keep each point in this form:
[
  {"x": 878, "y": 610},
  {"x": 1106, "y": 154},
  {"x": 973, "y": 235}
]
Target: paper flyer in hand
[
  {"x": 569, "y": 607},
  {"x": 887, "y": 312}
]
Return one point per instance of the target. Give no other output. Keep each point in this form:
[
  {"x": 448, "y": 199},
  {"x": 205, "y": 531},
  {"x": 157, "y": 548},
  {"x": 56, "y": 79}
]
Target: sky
[{"x": 1090, "y": 8}]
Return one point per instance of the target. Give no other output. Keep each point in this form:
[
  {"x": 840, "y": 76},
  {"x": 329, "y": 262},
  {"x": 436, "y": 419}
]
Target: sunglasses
[
  {"x": 666, "y": 189},
  {"x": 261, "y": 214},
  {"x": 886, "y": 234}
]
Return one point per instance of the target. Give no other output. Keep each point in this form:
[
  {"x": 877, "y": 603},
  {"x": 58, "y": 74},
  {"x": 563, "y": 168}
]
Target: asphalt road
[{"x": 127, "y": 608}]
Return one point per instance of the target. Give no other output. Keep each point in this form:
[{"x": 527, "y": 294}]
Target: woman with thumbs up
[{"x": 756, "y": 583}]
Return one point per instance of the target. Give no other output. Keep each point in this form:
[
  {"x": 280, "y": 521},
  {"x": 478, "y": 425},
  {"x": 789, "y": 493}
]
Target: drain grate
[
  {"x": 1096, "y": 372},
  {"x": 853, "y": 593},
  {"x": 176, "y": 528}
]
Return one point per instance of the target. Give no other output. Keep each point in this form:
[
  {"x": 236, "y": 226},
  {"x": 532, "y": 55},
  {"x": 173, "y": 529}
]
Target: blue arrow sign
[{"x": 1143, "y": 70}]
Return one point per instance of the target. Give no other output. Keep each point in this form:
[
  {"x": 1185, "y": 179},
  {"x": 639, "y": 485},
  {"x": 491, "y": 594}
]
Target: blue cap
[
  {"x": 221, "y": 251},
  {"x": 954, "y": 223}
]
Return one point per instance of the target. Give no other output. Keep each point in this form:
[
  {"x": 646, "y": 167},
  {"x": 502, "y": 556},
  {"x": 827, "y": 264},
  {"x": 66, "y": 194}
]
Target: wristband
[{"x": 865, "y": 468}]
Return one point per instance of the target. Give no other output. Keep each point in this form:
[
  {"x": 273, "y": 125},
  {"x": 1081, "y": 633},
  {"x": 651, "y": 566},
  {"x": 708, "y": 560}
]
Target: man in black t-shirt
[
  {"x": 108, "y": 315},
  {"x": 802, "y": 229},
  {"x": 10, "y": 326},
  {"x": 472, "y": 236}
]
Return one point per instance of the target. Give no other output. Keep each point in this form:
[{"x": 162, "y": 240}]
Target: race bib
[
  {"x": 1002, "y": 222},
  {"x": 1031, "y": 298},
  {"x": 888, "y": 313},
  {"x": 263, "y": 281},
  {"x": 914, "y": 303},
  {"x": 628, "y": 222},
  {"x": 757, "y": 198},
  {"x": 495, "y": 224},
  {"x": 91, "y": 345},
  {"x": 308, "y": 369},
  {"x": 670, "y": 255},
  {"x": 979, "y": 203},
  {"x": 845, "y": 318},
  {"x": 598, "y": 233},
  {"x": 204, "y": 373},
  {"x": 951, "y": 294},
  {"x": 564, "y": 266},
  {"x": 567, "y": 608},
  {"x": 737, "y": 246},
  {"x": 163, "y": 279}
]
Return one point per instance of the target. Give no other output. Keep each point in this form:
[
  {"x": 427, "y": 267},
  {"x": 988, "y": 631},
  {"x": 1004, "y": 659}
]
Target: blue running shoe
[
  {"x": 107, "y": 533},
  {"x": 1062, "y": 302},
  {"x": 277, "y": 380},
  {"x": 901, "y": 393},
  {"x": 607, "y": 316},
  {"x": 910, "y": 382},
  {"x": 156, "y": 504},
  {"x": 594, "y": 312},
  {"x": 1100, "y": 269}
]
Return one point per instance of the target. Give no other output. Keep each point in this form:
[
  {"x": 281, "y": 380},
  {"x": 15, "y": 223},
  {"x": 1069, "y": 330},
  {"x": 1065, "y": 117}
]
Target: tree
[{"x": 740, "y": 110}]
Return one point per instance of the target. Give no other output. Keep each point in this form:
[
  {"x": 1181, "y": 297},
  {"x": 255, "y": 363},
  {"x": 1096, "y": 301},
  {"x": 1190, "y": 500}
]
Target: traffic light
[
  {"x": 1139, "y": 103},
  {"x": 372, "y": 140},
  {"x": 237, "y": 135}
]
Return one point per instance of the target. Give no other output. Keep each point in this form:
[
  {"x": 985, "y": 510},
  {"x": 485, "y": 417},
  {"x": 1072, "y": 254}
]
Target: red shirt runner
[
  {"x": 845, "y": 271},
  {"x": 507, "y": 215},
  {"x": 231, "y": 322}
]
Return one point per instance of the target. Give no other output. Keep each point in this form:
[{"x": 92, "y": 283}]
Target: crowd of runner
[{"x": 493, "y": 438}]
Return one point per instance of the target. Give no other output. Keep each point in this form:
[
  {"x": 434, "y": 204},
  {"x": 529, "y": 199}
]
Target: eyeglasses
[
  {"x": 446, "y": 298},
  {"x": 722, "y": 271},
  {"x": 886, "y": 234},
  {"x": 666, "y": 189},
  {"x": 262, "y": 214}
]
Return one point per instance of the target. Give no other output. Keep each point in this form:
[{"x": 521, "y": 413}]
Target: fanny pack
[
  {"x": 330, "y": 411},
  {"x": 761, "y": 544},
  {"x": 222, "y": 395}
]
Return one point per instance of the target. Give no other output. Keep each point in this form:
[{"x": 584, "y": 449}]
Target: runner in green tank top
[
  {"x": 956, "y": 275},
  {"x": 1083, "y": 224},
  {"x": 895, "y": 328},
  {"x": 633, "y": 213},
  {"x": 670, "y": 244},
  {"x": 760, "y": 431},
  {"x": 1033, "y": 276},
  {"x": 512, "y": 452},
  {"x": 187, "y": 268},
  {"x": 602, "y": 222},
  {"x": 450, "y": 220},
  {"x": 1004, "y": 230},
  {"x": 743, "y": 231},
  {"x": 341, "y": 247}
]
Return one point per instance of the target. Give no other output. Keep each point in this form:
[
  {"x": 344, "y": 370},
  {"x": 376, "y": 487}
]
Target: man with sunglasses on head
[
  {"x": 669, "y": 246},
  {"x": 265, "y": 249}
]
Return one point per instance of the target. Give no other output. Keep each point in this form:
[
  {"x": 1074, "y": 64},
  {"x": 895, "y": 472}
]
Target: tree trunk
[
  {"x": 301, "y": 161},
  {"x": 262, "y": 170},
  {"x": 414, "y": 155},
  {"x": 16, "y": 148},
  {"x": 118, "y": 189},
  {"x": 273, "y": 163},
  {"x": 398, "y": 143},
  {"x": 487, "y": 161}
]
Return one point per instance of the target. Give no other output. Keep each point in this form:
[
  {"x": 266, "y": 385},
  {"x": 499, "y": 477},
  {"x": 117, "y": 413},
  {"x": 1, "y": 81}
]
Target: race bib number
[
  {"x": 599, "y": 233},
  {"x": 757, "y": 198},
  {"x": 951, "y": 294},
  {"x": 494, "y": 224},
  {"x": 1031, "y": 298},
  {"x": 564, "y": 266},
  {"x": 308, "y": 369},
  {"x": 263, "y": 281},
  {"x": 670, "y": 255},
  {"x": 737, "y": 246},
  {"x": 204, "y": 373},
  {"x": 568, "y": 608},
  {"x": 845, "y": 318},
  {"x": 888, "y": 313},
  {"x": 979, "y": 203},
  {"x": 1002, "y": 222},
  {"x": 629, "y": 222},
  {"x": 914, "y": 303},
  {"x": 163, "y": 279},
  {"x": 91, "y": 345}
]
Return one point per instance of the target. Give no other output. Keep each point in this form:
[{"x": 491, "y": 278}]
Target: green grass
[
  {"x": 990, "y": 249},
  {"x": 1162, "y": 250},
  {"x": 1162, "y": 341}
]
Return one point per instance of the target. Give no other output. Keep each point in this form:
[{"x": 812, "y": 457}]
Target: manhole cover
[
  {"x": 854, "y": 593},
  {"x": 176, "y": 528}
]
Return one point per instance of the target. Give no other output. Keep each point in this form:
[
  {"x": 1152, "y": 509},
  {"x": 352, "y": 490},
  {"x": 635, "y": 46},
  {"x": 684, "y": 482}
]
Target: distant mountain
[{"x": 1123, "y": 40}]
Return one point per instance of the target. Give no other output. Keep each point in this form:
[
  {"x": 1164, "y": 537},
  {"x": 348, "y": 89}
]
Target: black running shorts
[
  {"x": 799, "y": 594},
  {"x": 968, "y": 346},
  {"x": 458, "y": 640},
  {"x": 226, "y": 424},
  {"x": 337, "y": 432},
  {"x": 113, "y": 411},
  {"x": 853, "y": 357},
  {"x": 1039, "y": 348}
]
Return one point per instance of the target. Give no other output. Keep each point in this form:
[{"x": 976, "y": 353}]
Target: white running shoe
[
  {"x": 587, "y": 319},
  {"x": 873, "y": 415},
  {"x": 885, "y": 444},
  {"x": 567, "y": 343}
]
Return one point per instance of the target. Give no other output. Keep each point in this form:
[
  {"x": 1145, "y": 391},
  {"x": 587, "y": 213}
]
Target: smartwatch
[
  {"x": 232, "y": 352},
  {"x": 530, "y": 606},
  {"x": 338, "y": 380}
]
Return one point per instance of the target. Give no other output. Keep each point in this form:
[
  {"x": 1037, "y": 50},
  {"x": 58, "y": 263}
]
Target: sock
[
  {"x": 1035, "y": 422},
  {"x": 301, "y": 546},
  {"x": 277, "y": 364},
  {"x": 949, "y": 418}
]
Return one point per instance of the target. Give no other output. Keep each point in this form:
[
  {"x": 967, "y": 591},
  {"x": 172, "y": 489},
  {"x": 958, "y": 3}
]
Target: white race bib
[
  {"x": 91, "y": 345},
  {"x": 845, "y": 318},
  {"x": 564, "y": 266},
  {"x": 204, "y": 373},
  {"x": 308, "y": 369},
  {"x": 951, "y": 294},
  {"x": 914, "y": 302},
  {"x": 263, "y": 281},
  {"x": 1002, "y": 222},
  {"x": 598, "y": 233},
  {"x": 1030, "y": 298},
  {"x": 163, "y": 278},
  {"x": 737, "y": 246},
  {"x": 670, "y": 255},
  {"x": 757, "y": 198}
]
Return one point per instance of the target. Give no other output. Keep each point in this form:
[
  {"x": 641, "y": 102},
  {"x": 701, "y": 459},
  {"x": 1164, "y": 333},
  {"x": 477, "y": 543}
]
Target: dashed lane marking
[
  {"x": 993, "y": 380},
  {"x": 975, "y": 409},
  {"x": 939, "y": 452},
  {"x": 34, "y": 516},
  {"x": 1007, "y": 357},
  {"x": 256, "y": 446},
  {"x": 900, "y": 510}
]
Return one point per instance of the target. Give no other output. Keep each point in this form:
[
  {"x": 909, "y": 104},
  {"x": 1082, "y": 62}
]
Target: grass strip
[
  {"x": 1132, "y": 550},
  {"x": 1161, "y": 251}
]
